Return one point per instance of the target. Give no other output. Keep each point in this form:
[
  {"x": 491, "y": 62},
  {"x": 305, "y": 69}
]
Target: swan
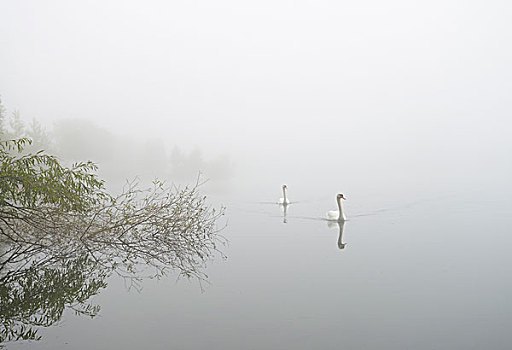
[
  {"x": 337, "y": 215},
  {"x": 284, "y": 200}
]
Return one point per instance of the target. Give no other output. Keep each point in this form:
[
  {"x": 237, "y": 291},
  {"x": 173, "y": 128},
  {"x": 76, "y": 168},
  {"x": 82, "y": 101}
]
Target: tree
[
  {"x": 2, "y": 118},
  {"x": 32, "y": 181},
  {"x": 60, "y": 227},
  {"x": 15, "y": 128}
]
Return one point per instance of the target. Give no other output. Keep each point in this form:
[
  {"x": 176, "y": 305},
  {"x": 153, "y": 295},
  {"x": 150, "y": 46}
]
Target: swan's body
[
  {"x": 284, "y": 200},
  {"x": 337, "y": 215}
]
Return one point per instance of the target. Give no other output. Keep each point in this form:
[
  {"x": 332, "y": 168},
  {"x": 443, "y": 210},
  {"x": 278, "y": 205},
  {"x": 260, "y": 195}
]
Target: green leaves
[
  {"x": 31, "y": 180},
  {"x": 62, "y": 235}
]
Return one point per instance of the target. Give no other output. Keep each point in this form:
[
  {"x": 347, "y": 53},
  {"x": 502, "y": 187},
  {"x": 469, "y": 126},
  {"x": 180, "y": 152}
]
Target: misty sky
[{"x": 366, "y": 83}]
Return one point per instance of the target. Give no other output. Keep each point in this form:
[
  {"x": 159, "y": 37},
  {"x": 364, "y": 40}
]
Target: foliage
[
  {"x": 29, "y": 181},
  {"x": 14, "y": 128},
  {"x": 62, "y": 235},
  {"x": 2, "y": 118}
]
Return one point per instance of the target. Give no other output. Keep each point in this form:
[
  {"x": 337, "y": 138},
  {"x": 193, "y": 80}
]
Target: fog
[
  {"x": 402, "y": 106},
  {"x": 374, "y": 93}
]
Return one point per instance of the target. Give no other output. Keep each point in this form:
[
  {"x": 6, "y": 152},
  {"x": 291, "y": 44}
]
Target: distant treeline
[{"x": 118, "y": 157}]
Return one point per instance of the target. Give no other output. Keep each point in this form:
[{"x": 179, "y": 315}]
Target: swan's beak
[{"x": 343, "y": 197}]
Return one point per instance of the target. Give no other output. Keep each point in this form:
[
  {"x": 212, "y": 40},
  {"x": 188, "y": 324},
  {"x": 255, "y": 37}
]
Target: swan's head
[
  {"x": 340, "y": 195},
  {"x": 284, "y": 187}
]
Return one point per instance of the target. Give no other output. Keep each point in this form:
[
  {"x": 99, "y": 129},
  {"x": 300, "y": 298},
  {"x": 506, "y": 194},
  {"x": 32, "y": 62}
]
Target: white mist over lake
[
  {"x": 404, "y": 107},
  {"x": 373, "y": 85}
]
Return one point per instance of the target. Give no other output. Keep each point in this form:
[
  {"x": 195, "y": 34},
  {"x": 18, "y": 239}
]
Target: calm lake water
[
  {"x": 417, "y": 271},
  {"x": 402, "y": 106}
]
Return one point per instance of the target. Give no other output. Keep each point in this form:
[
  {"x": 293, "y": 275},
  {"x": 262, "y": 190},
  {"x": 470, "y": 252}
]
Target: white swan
[
  {"x": 337, "y": 215},
  {"x": 284, "y": 200}
]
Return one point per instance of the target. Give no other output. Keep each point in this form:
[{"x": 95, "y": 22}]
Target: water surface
[{"x": 430, "y": 272}]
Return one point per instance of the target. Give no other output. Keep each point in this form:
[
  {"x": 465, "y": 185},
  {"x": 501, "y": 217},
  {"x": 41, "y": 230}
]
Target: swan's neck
[
  {"x": 341, "y": 217},
  {"x": 284, "y": 195}
]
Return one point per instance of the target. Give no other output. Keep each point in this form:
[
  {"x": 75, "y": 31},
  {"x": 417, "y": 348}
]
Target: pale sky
[{"x": 380, "y": 82}]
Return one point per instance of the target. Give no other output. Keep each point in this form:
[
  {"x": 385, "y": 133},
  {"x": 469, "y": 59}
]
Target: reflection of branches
[
  {"x": 37, "y": 296},
  {"x": 51, "y": 259}
]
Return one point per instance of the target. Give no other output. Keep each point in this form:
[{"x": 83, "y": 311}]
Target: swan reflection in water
[
  {"x": 340, "y": 225},
  {"x": 284, "y": 208},
  {"x": 283, "y": 203}
]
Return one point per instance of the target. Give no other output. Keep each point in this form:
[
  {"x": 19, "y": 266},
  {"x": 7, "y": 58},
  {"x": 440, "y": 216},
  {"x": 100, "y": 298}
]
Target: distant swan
[
  {"x": 284, "y": 200},
  {"x": 337, "y": 215}
]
